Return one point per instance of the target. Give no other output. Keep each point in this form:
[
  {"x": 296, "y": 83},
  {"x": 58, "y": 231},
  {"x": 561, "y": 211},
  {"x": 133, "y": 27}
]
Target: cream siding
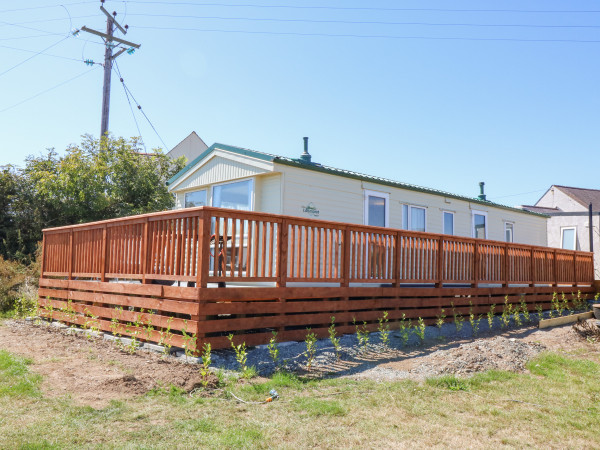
[
  {"x": 342, "y": 199},
  {"x": 283, "y": 189},
  {"x": 217, "y": 170},
  {"x": 267, "y": 193}
]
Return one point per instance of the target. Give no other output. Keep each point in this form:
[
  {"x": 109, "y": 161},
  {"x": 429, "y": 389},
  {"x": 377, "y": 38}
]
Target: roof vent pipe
[
  {"x": 305, "y": 157},
  {"x": 481, "y": 194}
]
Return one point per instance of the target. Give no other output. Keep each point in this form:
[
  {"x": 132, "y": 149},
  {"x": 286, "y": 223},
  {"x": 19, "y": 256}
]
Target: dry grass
[{"x": 553, "y": 406}]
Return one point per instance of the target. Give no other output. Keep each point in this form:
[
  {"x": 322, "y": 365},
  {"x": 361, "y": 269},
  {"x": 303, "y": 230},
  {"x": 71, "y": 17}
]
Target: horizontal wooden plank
[
  {"x": 123, "y": 315},
  {"x": 176, "y": 340},
  {"x": 174, "y": 306},
  {"x": 119, "y": 288}
]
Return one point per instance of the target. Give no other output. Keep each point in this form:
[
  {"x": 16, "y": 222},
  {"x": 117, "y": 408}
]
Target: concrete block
[
  {"x": 153, "y": 347},
  {"x": 190, "y": 359}
]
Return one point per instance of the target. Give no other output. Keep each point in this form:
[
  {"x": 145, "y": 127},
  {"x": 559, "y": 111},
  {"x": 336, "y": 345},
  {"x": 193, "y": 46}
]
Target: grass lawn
[{"x": 556, "y": 405}]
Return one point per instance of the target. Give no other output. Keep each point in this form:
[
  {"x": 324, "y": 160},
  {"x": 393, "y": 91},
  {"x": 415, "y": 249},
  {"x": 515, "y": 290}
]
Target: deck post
[
  {"x": 506, "y": 265},
  {"x": 103, "y": 256},
  {"x": 555, "y": 268},
  {"x": 43, "y": 256},
  {"x": 532, "y": 266},
  {"x": 145, "y": 252},
  {"x": 397, "y": 265},
  {"x": 346, "y": 258},
  {"x": 575, "y": 268},
  {"x": 440, "y": 262},
  {"x": 71, "y": 254},
  {"x": 475, "y": 263},
  {"x": 203, "y": 249},
  {"x": 282, "y": 253}
]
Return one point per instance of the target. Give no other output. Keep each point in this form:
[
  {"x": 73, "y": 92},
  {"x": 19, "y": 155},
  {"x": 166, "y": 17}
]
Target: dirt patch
[
  {"x": 92, "y": 371},
  {"x": 510, "y": 350}
]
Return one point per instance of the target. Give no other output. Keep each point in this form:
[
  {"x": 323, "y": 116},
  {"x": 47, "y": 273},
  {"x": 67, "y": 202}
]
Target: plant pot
[{"x": 596, "y": 309}]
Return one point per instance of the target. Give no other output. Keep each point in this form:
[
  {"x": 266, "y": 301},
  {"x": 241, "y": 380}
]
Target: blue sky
[{"x": 435, "y": 93}]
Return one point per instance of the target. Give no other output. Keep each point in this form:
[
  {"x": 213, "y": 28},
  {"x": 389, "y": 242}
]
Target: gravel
[{"x": 443, "y": 352}]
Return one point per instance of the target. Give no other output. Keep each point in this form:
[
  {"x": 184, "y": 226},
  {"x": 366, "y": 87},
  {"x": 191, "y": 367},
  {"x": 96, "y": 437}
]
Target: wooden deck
[{"x": 118, "y": 272}]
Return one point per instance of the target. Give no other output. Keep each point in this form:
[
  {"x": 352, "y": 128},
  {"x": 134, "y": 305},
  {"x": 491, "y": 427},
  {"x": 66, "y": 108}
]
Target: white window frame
[
  {"x": 512, "y": 233},
  {"x": 252, "y": 191},
  {"x": 191, "y": 192},
  {"x": 409, "y": 214},
  {"x": 444, "y": 212},
  {"x": 487, "y": 224},
  {"x": 562, "y": 229},
  {"x": 385, "y": 196}
]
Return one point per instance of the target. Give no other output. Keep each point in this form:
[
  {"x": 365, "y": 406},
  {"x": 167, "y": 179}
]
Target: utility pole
[{"x": 109, "y": 38}]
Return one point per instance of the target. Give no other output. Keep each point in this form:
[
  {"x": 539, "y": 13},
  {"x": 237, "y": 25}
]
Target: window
[
  {"x": 377, "y": 208},
  {"x": 568, "y": 238},
  {"x": 236, "y": 195},
  {"x": 195, "y": 198},
  {"x": 480, "y": 224},
  {"x": 413, "y": 218},
  {"x": 448, "y": 222},
  {"x": 509, "y": 229}
]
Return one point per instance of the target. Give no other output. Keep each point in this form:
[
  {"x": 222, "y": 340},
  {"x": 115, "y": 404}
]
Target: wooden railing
[{"x": 213, "y": 245}]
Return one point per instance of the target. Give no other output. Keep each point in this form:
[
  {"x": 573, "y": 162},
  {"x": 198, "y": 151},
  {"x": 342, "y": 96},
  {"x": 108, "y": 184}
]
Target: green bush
[{"x": 18, "y": 287}]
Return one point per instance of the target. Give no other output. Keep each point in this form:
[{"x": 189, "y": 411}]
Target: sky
[{"x": 434, "y": 93}]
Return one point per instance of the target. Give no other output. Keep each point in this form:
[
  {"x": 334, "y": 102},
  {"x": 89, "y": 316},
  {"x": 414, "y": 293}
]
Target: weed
[
  {"x": 241, "y": 354},
  {"x": 384, "y": 329},
  {"x": 420, "y": 329},
  {"x": 539, "y": 309},
  {"x": 555, "y": 305},
  {"x": 149, "y": 329},
  {"x": 440, "y": 318},
  {"x": 189, "y": 341},
  {"x": 474, "y": 320},
  {"x": 274, "y": 349},
  {"x": 450, "y": 382},
  {"x": 563, "y": 304},
  {"x": 362, "y": 334},
  {"x": 25, "y": 306},
  {"x": 405, "y": 329},
  {"x": 206, "y": 361},
  {"x": 578, "y": 301},
  {"x": 525, "y": 309},
  {"x": 517, "y": 315},
  {"x": 115, "y": 322},
  {"x": 490, "y": 316},
  {"x": 311, "y": 348},
  {"x": 335, "y": 341},
  {"x": 506, "y": 313},
  {"x": 458, "y": 318}
]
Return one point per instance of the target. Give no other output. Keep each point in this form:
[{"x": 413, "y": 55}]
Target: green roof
[{"x": 339, "y": 172}]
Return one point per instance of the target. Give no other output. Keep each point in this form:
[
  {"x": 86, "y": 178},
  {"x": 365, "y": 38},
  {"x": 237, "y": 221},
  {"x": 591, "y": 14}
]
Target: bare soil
[
  {"x": 94, "y": 371},
  {"x": 90, "y": 370}
]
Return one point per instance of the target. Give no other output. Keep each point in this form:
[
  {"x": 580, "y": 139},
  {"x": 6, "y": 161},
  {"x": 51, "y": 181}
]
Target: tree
[{"x": 95, "y": 180}]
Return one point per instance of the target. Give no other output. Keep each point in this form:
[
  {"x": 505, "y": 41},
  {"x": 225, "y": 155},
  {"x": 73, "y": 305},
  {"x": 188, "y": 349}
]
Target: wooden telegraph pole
[{"x": 109, "y": 42}]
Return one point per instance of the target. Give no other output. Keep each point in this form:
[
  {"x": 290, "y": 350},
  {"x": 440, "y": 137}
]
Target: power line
[
  {"x": 50, "y": 20},
  {"x": 142, "y": 111},
  {"x": 130, "y": 106},
  {"x": 363, "y": 22},
  {"x": 371, "y": 36},
  {"x": 33, "y": 56},
  {"x": 351, "y": 8},
  {"x": 47, "y": 6},
  {"x": 45, "y": 54},
  {"x": 30, "y": 36},
  {"x": 521, "y": 193},
  {"x": 47, "y": 90}
]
